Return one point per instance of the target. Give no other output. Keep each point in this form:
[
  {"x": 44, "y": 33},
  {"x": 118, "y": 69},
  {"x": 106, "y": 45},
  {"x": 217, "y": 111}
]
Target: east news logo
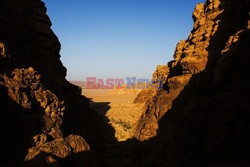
[{"x": 131, "y": 82}]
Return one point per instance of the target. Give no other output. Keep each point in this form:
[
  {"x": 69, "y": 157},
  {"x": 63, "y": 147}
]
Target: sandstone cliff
[
  {"x": 200, "y": 117},
  {"x": 39, "y": 109}
]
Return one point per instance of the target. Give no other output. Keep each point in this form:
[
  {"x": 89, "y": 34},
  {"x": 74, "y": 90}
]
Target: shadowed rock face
[
  {"x": 199, "y": 118},
  {"x": 36, "y": 99}
]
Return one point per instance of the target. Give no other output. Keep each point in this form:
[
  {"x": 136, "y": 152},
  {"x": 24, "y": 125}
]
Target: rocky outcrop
[
  {"x": 38, "y": 105},
  {"x": 199, "y": 118}
]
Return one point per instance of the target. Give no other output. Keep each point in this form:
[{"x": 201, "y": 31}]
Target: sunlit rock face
[
  {"x": 199, "y": 118},
  {"x": 36, "y": 99}
]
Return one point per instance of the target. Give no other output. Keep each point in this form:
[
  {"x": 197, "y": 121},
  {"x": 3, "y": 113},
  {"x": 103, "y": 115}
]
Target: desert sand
[{"x": 117, "y": 108}]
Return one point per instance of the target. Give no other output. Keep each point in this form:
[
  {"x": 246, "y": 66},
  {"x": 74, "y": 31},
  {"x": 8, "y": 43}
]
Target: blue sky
[{"x": 118, "y": 38}]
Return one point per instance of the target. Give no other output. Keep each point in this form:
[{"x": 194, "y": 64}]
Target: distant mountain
[{"x": 81, "y": 84}]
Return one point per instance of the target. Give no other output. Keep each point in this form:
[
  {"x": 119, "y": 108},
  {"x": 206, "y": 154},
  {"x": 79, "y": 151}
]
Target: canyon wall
[
  {"x": 40, "y": 111},
  {"x": 200, "y": 117}
]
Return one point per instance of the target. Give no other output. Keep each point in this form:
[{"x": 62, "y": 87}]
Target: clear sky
[{"x": 118, "y": 38}]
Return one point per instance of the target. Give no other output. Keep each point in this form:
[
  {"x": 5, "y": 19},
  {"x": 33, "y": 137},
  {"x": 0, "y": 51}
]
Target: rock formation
[
  {"x": 199, "y": 118},
  {"x": 38, "y": 105}
]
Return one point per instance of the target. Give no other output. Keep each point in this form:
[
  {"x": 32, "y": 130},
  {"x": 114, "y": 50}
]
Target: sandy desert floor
[{"x": 117, "y": 108}]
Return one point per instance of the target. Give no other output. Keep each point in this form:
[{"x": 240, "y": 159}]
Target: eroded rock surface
[
  {"x": 199, "y": 117},
  {"x": 36, "y": 99}
]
